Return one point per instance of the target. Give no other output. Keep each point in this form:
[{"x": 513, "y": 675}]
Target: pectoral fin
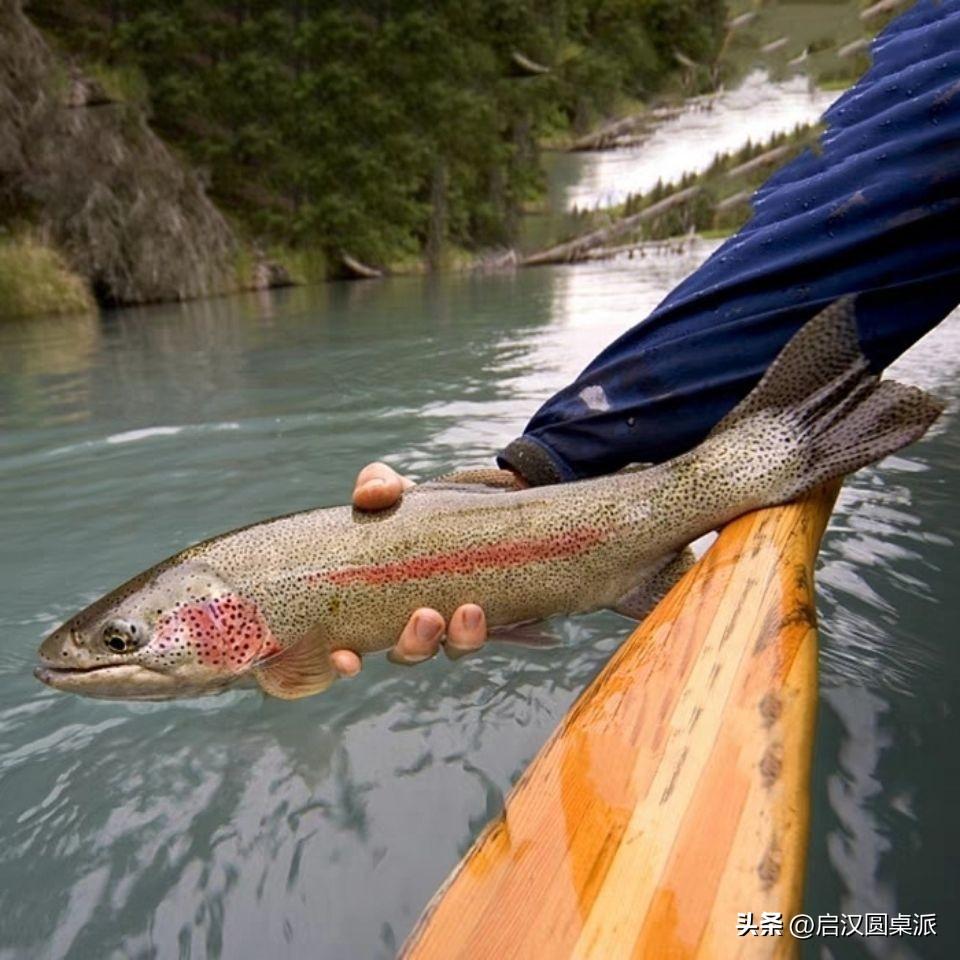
[
  {"x": 300, "y": 671},
  {"x": 526, "y": 633},
  {"x": 640, "y": 601}
]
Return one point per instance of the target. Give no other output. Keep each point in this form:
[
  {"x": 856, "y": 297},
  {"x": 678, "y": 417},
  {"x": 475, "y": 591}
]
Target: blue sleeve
[{"x": 876, "y": 212}]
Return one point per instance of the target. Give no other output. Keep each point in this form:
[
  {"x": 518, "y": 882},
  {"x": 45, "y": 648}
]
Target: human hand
[{"x": 377, "y": 488}]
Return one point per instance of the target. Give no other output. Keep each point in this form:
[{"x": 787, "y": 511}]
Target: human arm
[{"x": 874, "y": 213}]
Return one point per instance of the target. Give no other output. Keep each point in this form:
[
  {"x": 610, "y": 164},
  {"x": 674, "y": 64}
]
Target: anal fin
[
  {"x": 300, "y": 671},
  {"x": 526, "y": 633},
  {"x": 640, "y": 601}
]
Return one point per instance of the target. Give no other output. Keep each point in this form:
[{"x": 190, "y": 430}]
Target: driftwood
[
  {"x": 495, "y": 260},
  {"x": 742, "y": 196},
  {"x": 527, "y": 65},
  {"x": 579, "y": 247},
  {"x": 357, "y": 270},
  {"x": 884, "y": 6},
  {"x": 628, "y": 130},
  {"x": 761, "y": 160},
  {"x": 774, "y": 45},
  {"x": 855, "y": 46},
  {"x": 613, "y": 134},
  {"x": 742, "y": 20},
  {"x": 643, "y": 249}
]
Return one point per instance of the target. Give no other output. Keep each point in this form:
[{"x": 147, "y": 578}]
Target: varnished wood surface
[{"x": 675, "y": 793}]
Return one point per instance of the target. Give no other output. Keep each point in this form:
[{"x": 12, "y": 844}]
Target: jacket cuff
[{"x": 532, "y": 461}]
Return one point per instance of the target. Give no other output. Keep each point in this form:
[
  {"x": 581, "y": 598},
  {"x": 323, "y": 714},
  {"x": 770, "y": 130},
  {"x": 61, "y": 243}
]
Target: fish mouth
[
  {"x": 116, "y": 681},
  {"x": 46, "y": 673},
  {"x": 125, "y": 681}
]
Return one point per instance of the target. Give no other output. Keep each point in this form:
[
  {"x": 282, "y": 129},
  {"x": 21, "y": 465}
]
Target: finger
[
  {"x": 378, "y": 469},
  {"x": 345, "y": 662},
  {"x": 467, "y": 631},
  {"x": 378, "y": 487},
  {"x": 420, "y": 639}
]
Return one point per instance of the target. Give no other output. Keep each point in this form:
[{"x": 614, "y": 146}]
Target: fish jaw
[{"x": 122, "y": 681}]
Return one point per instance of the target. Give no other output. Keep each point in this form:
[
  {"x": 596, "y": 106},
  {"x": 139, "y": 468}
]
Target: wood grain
[{"x": 675, "y": 793}]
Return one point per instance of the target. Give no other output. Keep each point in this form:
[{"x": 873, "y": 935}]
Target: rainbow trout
[{"x": 270, "y": 601}]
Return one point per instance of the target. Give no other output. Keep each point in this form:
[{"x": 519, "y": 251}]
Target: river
[
  {"x": 248, "y": 828},
  {"x": 724, "y": 122}
]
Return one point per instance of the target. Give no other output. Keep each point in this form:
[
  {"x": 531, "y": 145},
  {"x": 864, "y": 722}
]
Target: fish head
[{"x": 178, "y": 630}]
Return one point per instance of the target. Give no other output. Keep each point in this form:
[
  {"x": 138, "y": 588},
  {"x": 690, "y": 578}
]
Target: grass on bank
[{"x": 34, "y": 280}]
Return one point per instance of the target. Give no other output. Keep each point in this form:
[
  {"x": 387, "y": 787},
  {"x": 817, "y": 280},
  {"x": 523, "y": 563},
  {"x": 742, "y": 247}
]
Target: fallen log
[
  {"x": 884, "y": 6},
  {"x": 855, "y": 46},
  {"x": 527, "y": 65},
  {"x": 653, "y": 248},
  {"x": 762, "y": 160},
  {"x": 576, "y": 249},
  {"x": 742, "y": 196},
  {"x": 357, "y": 270},
  {"x": 742, "y": 20},
  {"x": 609, "y": 134}
]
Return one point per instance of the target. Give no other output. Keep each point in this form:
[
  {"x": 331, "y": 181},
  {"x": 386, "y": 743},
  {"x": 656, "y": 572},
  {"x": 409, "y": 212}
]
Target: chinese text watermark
[{"x": 804, "y": 926}]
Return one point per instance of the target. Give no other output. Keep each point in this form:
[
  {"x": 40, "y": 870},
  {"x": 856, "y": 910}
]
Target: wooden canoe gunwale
[{"x": 674, "y": 795}]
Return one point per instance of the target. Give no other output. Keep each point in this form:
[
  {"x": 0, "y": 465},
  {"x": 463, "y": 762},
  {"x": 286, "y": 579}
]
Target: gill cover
[{"x": 227, "y": 634}]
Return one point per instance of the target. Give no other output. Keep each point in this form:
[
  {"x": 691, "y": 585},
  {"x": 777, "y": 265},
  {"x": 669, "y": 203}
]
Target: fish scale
[{"x": 269, "y": 602}]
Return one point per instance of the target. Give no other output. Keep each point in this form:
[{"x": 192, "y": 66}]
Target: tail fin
[{"x": 819, "y": 398}]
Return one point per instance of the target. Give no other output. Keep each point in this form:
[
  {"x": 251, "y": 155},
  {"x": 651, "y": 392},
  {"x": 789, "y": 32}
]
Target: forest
[{"x": 389, "y": 130}]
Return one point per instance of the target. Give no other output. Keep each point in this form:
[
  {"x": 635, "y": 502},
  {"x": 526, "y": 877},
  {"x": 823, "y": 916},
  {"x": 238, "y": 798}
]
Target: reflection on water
[
  {"x": 687, "y": 143},
  {"x": 236, "y": 826},
  {"x": 241, "y": 827},
  {"x": 885, "y": 835}
]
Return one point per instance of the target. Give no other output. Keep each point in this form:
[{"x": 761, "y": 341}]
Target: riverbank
[
  {"x": 35, "y": 280},
  {"x": 714, "y": 202},
  {"x": 150, "y": 219},
  {"x": 179, "y": 151},
  {"x": 331, "y": 822},
  {"x": 85, "y": 174}
]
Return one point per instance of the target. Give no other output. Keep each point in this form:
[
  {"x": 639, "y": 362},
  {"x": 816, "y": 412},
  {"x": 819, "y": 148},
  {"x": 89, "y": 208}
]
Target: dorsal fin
[
  {"x": 484, "y": 476},
  {"x": 475, "y": 480}
]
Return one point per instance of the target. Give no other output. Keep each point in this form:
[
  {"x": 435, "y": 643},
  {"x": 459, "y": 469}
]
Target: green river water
[{"x": 241, "y": 827}]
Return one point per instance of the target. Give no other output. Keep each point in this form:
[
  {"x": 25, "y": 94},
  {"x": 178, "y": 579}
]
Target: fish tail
[{"x": 819, "y": 413}]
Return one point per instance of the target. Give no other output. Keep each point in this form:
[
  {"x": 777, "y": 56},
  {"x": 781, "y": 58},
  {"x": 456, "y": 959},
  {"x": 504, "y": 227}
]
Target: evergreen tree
[{"x": 382, "y": 128}]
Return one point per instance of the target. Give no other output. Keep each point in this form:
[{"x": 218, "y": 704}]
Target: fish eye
[{"x": 120, "y": 636}]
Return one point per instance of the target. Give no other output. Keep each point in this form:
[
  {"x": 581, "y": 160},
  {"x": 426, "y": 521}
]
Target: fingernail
[
  {"x": 471, "y": 619},
  {"x": 426, "y": 629},
  {"x": 407, "y": 659}
]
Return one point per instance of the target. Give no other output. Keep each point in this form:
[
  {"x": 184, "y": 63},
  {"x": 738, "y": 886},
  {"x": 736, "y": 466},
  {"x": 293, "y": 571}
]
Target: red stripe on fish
[{"x": 511, "y": 553}]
